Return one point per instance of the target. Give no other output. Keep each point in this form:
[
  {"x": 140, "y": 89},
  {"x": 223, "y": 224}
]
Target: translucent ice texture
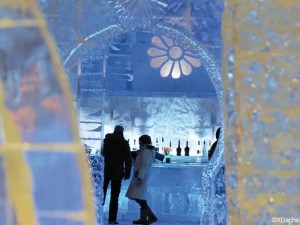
[
  {"x": 43, "y": 172},
  {"x": 262, "y": 109},
  {"x": 96, "y": 39}
]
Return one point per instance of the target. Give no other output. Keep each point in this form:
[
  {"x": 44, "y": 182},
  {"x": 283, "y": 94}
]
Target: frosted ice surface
[{"x": 205, "y": 27}]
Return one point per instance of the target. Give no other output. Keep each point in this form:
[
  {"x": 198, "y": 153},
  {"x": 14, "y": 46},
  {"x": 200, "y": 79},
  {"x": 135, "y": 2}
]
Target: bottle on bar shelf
[
  {"x": 204, "y": 157},
  {"x": 168, "y": 157},
  {"x": 134, "y": 145},
  {"x": 134, "y": 150},
  {"x": 162, "y": 144},
  {"x": 187, "y": 149},
  {"x": 178, "y": 149},
  {"x": 198, "y": 150},
  {"x": 156, "y": 145}
]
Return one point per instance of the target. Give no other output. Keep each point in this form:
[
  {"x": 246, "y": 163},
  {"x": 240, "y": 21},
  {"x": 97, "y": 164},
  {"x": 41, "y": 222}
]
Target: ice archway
[{"x": 214, "y": 171}]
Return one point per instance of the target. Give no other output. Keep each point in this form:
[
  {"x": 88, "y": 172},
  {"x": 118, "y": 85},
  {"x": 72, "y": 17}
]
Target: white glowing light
[{"x": 171, "y": 58}]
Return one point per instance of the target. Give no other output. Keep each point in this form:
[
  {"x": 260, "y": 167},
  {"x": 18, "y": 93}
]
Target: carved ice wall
[
  {"x": 79, "y": 28},
  {"x": 262, "y": 108}
]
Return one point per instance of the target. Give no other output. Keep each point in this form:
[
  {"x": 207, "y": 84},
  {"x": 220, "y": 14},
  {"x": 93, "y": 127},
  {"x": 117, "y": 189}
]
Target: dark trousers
[
  {"x": 114, "y": 196},
  {"x": 143, "y": 203}
]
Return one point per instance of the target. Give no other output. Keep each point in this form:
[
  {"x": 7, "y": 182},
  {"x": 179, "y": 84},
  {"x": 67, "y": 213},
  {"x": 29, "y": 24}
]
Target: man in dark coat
[{"x": 117, "y": 165}]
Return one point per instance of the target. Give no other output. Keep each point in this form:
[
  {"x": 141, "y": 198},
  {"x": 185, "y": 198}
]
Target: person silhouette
[
  {"x": 213, "y": 147},
  {"x": 137, "y": 189},
  {"x": 117, "y": 165}
]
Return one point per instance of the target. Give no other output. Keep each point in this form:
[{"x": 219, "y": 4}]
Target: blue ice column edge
[{"x": 96, "y": 163}]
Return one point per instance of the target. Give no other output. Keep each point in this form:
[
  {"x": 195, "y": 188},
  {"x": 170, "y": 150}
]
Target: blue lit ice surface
[
  {"x": 182, "y": 119},
  {"x": 168, "y": 118},
  {"x": 175, "y": 199},
  {"x": 169, "y": 115}
]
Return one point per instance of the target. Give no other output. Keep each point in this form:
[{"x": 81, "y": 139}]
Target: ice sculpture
[
  {"x": 171, "y": 58},
  {"x": 136, "y": 13},
  {"x": 170, "y": 118},
  {"x": 43, "y": 172}
]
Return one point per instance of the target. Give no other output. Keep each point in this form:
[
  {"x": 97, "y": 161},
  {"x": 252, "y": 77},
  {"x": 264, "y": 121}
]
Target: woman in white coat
[{"x": 137, "y": 189}]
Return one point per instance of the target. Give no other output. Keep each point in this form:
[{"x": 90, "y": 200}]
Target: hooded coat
[
  {"x": 142, "y": 165},
  {"x": 117, "y": 158}
]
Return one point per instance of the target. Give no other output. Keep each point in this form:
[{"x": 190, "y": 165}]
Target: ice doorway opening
[{"x": 162, "y": 83}]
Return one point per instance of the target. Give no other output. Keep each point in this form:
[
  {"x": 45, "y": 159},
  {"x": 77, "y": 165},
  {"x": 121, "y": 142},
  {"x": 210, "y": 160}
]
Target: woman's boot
[
  {"x": 151, "y": 217},
  {"x": 143, "y": 217}
]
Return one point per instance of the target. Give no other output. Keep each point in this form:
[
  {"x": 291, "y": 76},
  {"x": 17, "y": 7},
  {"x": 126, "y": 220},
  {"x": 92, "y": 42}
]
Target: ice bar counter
[{"x": 174, "y": 190}]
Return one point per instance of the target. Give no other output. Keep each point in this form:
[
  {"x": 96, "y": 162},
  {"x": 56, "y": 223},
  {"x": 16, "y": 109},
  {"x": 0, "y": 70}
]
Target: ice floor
[
  {"x": 172, "y": 201},
  {"x": 126, "y": 219},
  {"x": 129, "y": 222},
  {"x": 163, "y": 220}
]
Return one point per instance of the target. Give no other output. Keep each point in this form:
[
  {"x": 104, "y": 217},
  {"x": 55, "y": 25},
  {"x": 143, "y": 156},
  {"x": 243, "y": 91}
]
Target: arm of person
[
  {"x": 128, "y": 162},
  {"x": 133, "y": 155},
  {"x": 145, "y": 161}
]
